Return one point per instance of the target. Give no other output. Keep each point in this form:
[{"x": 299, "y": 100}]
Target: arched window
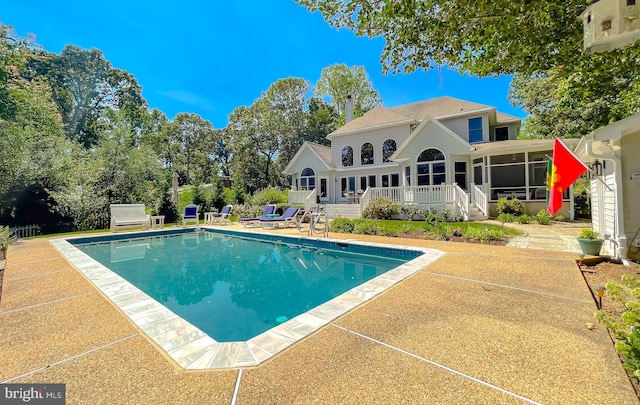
[
  {"x": 388, "y": 147},
  {"x": 366, "y": 154},
  {"x": 347, "y": 156},
  {"x": 431, "y": 167},
  {"x": 307, "y": 179}
]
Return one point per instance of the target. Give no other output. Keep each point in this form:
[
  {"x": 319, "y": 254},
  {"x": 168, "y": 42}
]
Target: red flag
[{"x": 566, "y": 169}]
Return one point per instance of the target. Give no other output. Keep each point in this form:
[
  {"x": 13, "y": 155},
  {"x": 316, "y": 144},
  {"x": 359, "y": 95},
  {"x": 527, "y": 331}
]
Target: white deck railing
[
  {"x": 462, "y": 202},
  {"x": 479, "y": 198},
  {"x": 427, "y": 195},
  {"x": 303, "y": 197}
]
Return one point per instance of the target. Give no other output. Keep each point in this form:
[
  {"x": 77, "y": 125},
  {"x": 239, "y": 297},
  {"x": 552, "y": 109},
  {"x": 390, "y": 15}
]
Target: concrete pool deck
[{"x": 482, "y": 324}]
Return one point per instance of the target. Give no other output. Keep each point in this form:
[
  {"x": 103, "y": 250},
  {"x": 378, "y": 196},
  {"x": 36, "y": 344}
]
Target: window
[
  {"x": 348, "y": 184},
  {"x": 347, "y": 156},
  {"x": 323, "y": 188},
  {"x": 631, "y": 2},
  {"x": 460, "y": 175},
  {"x": 363, "y": 182},
  {"x": 502, "y": 133},
  {"x": 430, "y": 168},
  {"x": 475, "y": 130},
  {"x": 372, "y": 180},
  {"x": 390, "y": 180},
  {"x": 388, "y": 148},
  {"x": 307, "y": 179},
  {"x": 366, "y": 154},
  {"x": 407, "y": 175}
]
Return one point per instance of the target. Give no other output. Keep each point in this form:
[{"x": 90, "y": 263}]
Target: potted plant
[{"x": 590, "y": 243}]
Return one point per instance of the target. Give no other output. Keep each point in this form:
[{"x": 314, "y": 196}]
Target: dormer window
[
  {"x": 347, "y": 156},
  {"x": 475, "y": 130},
  {"x": 366, "y": 155}
]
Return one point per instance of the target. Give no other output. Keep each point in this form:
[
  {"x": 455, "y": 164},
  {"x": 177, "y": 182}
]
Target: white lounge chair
[{"x": 128, "y": 215}]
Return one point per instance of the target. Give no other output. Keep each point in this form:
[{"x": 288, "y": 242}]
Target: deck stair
[
  {"x": 343, "y": 210},
  {"x": 475, "y": 214}
]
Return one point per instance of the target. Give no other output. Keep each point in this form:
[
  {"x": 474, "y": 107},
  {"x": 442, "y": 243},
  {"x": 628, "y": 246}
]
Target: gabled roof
[
  {"x": 322, "y": 152},
  {"x": 406, "y": 145},
  {"x": 376, "y": 117},
  {"x": 439, "y": 107},
  {"x": 414, "y": 113}
]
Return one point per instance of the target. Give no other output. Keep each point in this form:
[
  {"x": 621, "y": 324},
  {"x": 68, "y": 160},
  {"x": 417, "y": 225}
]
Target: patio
[{"x": 483, "y": 324}]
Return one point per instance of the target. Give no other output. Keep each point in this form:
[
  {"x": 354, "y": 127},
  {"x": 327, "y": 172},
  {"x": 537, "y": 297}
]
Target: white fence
[{"x": 26, "y": 231}]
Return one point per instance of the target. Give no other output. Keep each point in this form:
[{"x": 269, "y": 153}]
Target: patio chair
[
  {"x": 269, "y": 209},
  {"x": 222, "y": 217},
  {"x": 289, "y": 217},
  {"x": 190, "y": 214}
]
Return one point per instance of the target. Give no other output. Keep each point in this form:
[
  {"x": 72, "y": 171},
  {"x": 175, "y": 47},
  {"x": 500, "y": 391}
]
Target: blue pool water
[{"x": 235, "y": 287}]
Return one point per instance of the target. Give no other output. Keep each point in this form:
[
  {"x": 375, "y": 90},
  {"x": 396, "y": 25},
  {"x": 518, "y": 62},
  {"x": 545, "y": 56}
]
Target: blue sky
[{"x": 209, "y": 57}]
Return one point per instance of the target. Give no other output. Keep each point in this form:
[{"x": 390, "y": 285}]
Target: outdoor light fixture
[
  {"x": 599, "y": 289},
  {"x": 597, "y": 167}
]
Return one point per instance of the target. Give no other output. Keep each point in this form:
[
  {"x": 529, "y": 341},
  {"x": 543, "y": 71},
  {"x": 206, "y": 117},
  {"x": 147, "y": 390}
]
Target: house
[
  {"x": 612, "y": 151},
  {"x": 442, "y": 152},
  {"x": 610, "y": 24}
]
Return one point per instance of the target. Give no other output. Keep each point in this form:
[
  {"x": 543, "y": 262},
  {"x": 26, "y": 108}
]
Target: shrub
[
  {"x": 381, "y": 209},
  {"x": 558, "y": 218},
  {"x": 247, "y": 211},
  {"x": 543, "y": 217},
  {"x": 341, "y": 225},
  {"x": 409, "y": 210},
  {"x": 484, "y": 235},
  {"x": 524, "y": 219},
  {"x": 513, "y": 206},
  {"x": 365, "y": 227},
  {"x": 626, "y": 327},
  {"x": 506, "y": 218},
  {"x": 270, "y": 195},
  {"x": 439, "y": 230}
]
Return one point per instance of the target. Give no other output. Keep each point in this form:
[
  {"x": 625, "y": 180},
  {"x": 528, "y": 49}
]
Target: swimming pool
[
  {"x": 269, "y": 291},
  {"x": 234, "y": 288}
]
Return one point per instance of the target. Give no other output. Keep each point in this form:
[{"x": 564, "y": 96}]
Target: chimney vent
[{"x": 348, "y": 111}]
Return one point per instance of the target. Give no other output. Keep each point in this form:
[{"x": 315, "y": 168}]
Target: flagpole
[{"x": 591, "y": 171}]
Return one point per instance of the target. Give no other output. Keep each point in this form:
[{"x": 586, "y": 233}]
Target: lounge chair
[
  {"x": 128, "y": 215},
  {"x": 222, "y": 217},
  {"x": 289, "y": 217},
  {"x": 269, "y": 209},
  {"x": 190, "y": 215}
]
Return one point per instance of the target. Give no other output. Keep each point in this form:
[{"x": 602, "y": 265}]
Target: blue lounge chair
[
  {"x": 222, "y": 217},
  {"x": 190, "y": 214},
  {"x": 269, "y": 209},
  {"x": 289, "y": 217}
]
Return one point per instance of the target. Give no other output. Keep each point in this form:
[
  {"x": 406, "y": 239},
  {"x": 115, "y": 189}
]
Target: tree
[
  {"x": 339, "y": 81},
  {"x": 191, "y": 134},
  {"x": 322, "y": 120},
  {"x": 84, "y": 84},
  {"x": 273, "y": 126},
  {"x": 483, "y": 38}
]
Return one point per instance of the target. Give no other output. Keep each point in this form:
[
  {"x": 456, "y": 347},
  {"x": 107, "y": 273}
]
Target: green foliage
[
  {"x": 513, "y": 206},
  {"x": 586, "y": 233},
  {"x": 363, "y": 226},
  {"x": 199, "y": 198},
  {"x": 7, "y": 237},
  {"x": 339, "y": 81},
  {"x": 341, "y": 225},
  {"x": 484, "y": 235},
  {"x": 167, "y": 207},
  {"x": 558, "y": 218},
  {"x": 506, "y": 217},
  {"x": 581, "y": 204},
  {"x": 269, "y": 195},
  {"x": 247, "y": 211},
  {"x": 626, "y": 327},
  {"x": 409, "y": 211},
  {"x": 380, "y": 208},
  {"x": 543, "y": 217},
  {"x": 524, "y": 219},
  {"x": 218, "y": 199}
]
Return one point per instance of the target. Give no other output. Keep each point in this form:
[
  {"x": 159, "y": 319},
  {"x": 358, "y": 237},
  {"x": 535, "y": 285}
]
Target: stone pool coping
[{"x": 192, "y": 349}]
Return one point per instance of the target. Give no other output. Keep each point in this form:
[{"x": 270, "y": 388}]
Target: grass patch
[{"x": 391, "y": 226}]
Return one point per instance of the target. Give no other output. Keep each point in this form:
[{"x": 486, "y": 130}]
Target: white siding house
[
  {"x": 443, "y": 151},
  {"x": 613, "y": 152}
]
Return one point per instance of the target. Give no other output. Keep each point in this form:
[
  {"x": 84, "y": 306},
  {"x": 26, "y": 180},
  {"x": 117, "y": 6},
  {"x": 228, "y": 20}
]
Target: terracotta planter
[{"x": 590, "y": 247}]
